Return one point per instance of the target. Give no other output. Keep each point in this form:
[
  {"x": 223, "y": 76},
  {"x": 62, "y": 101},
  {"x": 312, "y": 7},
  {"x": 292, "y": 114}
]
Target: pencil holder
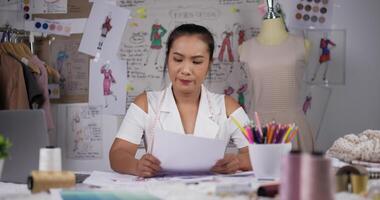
[{"x": 266, "y": 159}]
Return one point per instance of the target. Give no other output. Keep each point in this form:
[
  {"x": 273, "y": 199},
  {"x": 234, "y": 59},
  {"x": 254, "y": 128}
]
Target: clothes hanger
[{"x": 25, "y": 54}]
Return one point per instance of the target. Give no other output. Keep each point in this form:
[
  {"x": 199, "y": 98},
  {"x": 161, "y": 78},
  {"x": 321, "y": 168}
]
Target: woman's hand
[
  {"x": 228, "y": 165},
  {"x": 148, "y": 166}
]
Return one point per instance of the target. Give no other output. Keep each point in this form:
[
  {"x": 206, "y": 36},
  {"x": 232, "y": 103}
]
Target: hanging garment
[
  {"x": 42, "y": 80},
  {"x": 35, "y": 95},
  {"x": 13, "y": 94},
  {"x": 276, "y": 78},
  {"x": 17, "y": 51}
]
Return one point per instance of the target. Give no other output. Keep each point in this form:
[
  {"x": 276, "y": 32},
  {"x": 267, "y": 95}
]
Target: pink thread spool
[
  {"x": 290, "y": 176},
  {"x": 317, "y": 178}
]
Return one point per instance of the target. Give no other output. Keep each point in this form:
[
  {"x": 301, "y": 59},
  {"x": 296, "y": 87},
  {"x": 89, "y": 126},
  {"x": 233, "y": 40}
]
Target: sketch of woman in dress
[
  {"x": 324, "y": 57},
  {"x": 107, "y": 82},
  {"x": 106, "y": 27},
  {"x": 156, "y": 35}
]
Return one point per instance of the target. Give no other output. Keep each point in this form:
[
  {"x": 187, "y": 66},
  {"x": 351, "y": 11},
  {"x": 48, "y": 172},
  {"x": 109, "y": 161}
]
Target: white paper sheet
[
  {"x": 49, "y": 6},
  {"x": 104, "y": 179},
  {"x": 180, "y": 153},
  {"x": 104, "y": 30},
  {"x": 108, "y": 79},
  {"x": 84, "y": 137}
]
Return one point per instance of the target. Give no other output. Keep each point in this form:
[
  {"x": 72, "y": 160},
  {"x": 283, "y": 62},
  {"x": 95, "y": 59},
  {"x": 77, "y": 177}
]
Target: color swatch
[
  {"x": 51, "y": 27},
  {"x": 312, "y": 13}
]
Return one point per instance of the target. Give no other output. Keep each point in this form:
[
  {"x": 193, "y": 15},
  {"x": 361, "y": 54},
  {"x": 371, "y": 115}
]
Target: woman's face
[{"x": 188, "y": 63}]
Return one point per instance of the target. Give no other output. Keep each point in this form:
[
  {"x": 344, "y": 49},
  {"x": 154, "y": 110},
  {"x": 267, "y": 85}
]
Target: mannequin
[
  {"x": 273, "y": 32},
  {"x": 276, "y": 62}
]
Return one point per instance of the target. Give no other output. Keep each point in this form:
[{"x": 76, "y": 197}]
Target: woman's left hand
[{"x": 228, "y": 165}]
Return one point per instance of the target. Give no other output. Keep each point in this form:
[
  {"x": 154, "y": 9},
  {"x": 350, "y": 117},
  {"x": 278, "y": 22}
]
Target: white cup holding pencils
[{"x": 266, "y": 159}]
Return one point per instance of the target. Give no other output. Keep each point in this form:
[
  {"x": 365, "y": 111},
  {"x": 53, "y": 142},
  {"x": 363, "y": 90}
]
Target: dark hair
[{"x": 189, "y": 29}]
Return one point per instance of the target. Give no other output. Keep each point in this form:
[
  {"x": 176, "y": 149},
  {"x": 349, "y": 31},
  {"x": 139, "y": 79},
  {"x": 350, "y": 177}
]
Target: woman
[{"x": 186, "y": 107}]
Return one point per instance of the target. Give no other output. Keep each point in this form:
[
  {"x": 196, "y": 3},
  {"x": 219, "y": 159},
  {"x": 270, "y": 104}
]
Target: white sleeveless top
[{"x": 211, "y": 121}]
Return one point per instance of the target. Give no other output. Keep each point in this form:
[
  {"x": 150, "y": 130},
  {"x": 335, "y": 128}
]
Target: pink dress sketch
[
  {"x": 156, "y": 35},
  {"x": 226, "y": 44},
  {"x": 107, "y": 83},
  {"x": 324, "y": 57},
  {"x": 106, "y": 27}
]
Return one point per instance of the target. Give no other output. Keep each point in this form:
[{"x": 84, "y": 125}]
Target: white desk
[{"x": 168, "y": 190}]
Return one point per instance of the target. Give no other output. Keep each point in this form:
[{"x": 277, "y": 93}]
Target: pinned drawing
[
  {"x": 108, "y": 80},
  {"x": 84, "y": 134},
  {"x": 156, "y": 34},
  {"x": 326, "y": 63}
]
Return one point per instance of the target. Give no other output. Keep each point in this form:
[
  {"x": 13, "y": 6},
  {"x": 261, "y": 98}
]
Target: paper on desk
[
  {"x": 106, "y": 179},
  {"x": 180, "y": 153}
]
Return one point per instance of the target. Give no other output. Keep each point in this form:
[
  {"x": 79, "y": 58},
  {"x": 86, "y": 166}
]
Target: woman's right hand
[{"x": 148, "y": 166}]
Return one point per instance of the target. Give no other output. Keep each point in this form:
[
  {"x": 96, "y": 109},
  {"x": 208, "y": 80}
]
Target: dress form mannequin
[
  {"x": 273, "y": 32},
  {"x": 276, "y": 62}
]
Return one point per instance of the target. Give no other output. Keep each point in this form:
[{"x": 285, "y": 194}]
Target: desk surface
[{"x": 165, "y": 190}]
